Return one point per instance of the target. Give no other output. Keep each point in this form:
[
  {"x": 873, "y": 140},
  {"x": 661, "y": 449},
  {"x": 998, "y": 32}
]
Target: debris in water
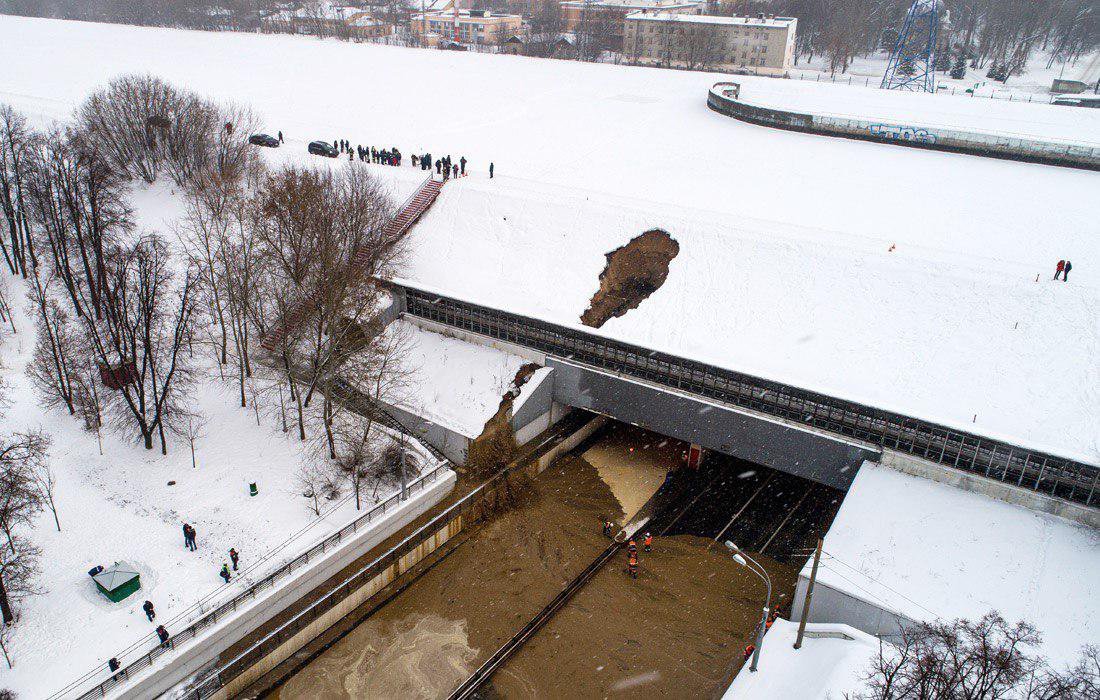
[{"x": 747, "y": 475}]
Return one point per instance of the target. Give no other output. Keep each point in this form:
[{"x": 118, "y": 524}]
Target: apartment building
[
  {"x": 756, "y": 45},
  {"x": 611, "y": 14},
  {"x": 474, "y": 27}
]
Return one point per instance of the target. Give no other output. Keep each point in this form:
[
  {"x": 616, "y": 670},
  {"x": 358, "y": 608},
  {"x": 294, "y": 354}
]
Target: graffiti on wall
[{"x": 903, "y": 133}]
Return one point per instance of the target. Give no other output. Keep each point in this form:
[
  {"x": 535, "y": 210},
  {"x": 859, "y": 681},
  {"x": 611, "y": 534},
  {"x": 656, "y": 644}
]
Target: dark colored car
[
  {"x": 323, "y": 148},
  {"x": 263, "y": 140}
]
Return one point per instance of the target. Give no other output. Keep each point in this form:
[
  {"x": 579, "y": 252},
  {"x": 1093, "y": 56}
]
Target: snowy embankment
[
  {"x": 928, "y": 550},
  {"x": 452, "y": 383},
  {"x": 832, "y": 662},
  {"x": 899, "y": 278}
]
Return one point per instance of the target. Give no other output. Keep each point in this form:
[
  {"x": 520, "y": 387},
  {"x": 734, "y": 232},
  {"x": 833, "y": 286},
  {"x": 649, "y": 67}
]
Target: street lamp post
[{"x": 748, "y": 562}]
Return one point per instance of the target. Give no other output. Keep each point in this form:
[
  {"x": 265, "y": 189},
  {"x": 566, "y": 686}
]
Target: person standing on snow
[
  {"x": 490, "y": 171},
  {"x": 150, "y": 613},
  {"x": 224, "y": 573},
  {"x": 455, "y": 169},
  {"x": 233, "y": 557},
  {"x": 162, "y": 635},
  {"x": 1065, "y": 273},
  {"x": 462, "y": 162},
  {"x": 1058, "y": 270},
  {"x": 280, "y": 137}
]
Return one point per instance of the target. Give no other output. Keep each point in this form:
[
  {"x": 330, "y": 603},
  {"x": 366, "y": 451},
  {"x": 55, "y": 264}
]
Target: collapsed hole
[{"x": 633, "y": 272}]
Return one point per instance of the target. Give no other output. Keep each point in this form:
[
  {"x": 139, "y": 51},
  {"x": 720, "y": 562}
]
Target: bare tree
[
  {"x": 16, "y": 140},
  {"x": 189, "y": 425},
  {"x": 46, "y": 483},
  {"x": 138, "y": 344},
  {"x": 18, "y": 573},
  {"x": 53, "y": 369},
  {"x": 982, "y": 660},
  {"x": 21, "y": 455},
  {"x": 317, "y": 480}
]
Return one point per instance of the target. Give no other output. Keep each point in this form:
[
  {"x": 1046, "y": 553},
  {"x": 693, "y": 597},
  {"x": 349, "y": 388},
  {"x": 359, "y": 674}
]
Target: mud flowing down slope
[{"x": 633, "y": 272}]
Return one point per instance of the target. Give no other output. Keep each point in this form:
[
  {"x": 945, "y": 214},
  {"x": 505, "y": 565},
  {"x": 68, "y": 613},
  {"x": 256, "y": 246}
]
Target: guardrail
[
  {"x": 207, "y": 621},
  {"x": 995, "y": 459},
  {"x": 725, "y": 98}
]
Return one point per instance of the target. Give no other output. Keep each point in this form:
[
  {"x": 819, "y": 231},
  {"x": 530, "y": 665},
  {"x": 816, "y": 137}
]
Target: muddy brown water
[{"x": 673, "y": 632}]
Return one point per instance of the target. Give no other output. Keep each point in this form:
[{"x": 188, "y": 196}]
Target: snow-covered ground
[
  {"x": 900, "y": 278},
  {"x": 452, "y": 383},
  {"x": 120, "y": 505},
  {"x": 928, "y": 550},
  {"x": 832, "y": 661}
]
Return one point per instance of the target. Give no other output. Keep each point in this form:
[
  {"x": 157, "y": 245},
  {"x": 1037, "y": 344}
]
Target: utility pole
[{"x": 809, "y": 595}]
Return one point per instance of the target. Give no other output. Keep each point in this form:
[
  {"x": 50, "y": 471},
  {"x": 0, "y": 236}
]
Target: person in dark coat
[
  {"x": 1065, "y": 274},
  {"x": 150, "y": 613},
  {"x": 462, "y": 162},
  {"x": 336, "y": 144},
  {"x": 438, "y": 164},
  {"x": 455, "y": 168},
  {"x": 187, "y": 535},
  {"x": 162, "y": 634},
  {"x": 192, "y": 544},
  {"x": 233, "y": 557},
  {"x": 1058, "y": 270},
  {"x": 490, "y": 171},
  {"x": 280, "y": 137},
  {"x": 224, "y": 573}
]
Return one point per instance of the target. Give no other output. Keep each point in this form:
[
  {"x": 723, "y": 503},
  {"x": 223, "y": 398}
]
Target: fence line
[{"x": 268, "y": 582}]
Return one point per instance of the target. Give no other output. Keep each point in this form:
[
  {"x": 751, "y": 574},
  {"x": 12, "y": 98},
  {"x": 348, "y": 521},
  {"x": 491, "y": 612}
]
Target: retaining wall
[{"x": 725, "y": 98}]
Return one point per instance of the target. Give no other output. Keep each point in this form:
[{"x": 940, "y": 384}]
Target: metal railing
[
  {"x": 995, "y": 459},
  {"x": 243, "y": 599}
]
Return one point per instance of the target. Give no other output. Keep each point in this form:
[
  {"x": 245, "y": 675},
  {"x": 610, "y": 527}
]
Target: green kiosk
[{"x": 117, "y": 581}]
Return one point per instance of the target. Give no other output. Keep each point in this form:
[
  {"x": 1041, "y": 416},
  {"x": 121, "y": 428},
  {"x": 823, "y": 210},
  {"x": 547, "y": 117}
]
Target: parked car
[
  {"x": 263, "y": 140},
  {"x": 323, "y": 148}
]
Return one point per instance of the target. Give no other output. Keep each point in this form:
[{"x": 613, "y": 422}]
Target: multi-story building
[
  {"x": 758, "y": 45},
  {"x": 474, "y": 27},
  {"x": 610, "y": 14}
]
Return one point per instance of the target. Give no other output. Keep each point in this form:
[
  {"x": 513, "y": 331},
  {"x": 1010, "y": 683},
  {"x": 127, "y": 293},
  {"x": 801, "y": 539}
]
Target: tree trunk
[{"x": 5, "y": 604}]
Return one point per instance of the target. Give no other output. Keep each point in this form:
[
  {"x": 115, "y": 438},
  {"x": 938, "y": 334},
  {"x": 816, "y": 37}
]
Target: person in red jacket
[{"x": 1058, "y": 270}]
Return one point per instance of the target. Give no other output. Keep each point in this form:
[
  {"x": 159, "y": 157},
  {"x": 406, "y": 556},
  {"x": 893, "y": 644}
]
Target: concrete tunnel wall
[{"x": 762, "y": 440}]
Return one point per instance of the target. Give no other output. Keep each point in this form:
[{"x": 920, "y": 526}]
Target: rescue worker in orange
[
  {"x": 648, "y": 542},
  {"x": 749, "y": 649},
  {"x": 632, "y": 567},
  {"x": 632, "y": 547}
]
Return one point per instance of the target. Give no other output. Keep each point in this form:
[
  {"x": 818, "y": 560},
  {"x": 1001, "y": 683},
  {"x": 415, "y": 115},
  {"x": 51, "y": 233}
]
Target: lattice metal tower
[{"x": 911, "y": 65}]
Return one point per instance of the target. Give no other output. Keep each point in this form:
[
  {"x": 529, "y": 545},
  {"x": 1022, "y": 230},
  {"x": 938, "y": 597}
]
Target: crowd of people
[{"x": 445, "y": 166}]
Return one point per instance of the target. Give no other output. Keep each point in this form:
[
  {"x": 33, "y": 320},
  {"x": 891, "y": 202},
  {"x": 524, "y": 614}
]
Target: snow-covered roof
[
  {"x": 928, "y": 550},
  {"x": 772, "y": 23},
  {"x": 116, "y": 575}
]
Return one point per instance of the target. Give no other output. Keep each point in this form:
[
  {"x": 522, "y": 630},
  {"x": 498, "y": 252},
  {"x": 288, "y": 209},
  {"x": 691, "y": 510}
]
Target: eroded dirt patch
[{"x": 633, "y": 272}]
